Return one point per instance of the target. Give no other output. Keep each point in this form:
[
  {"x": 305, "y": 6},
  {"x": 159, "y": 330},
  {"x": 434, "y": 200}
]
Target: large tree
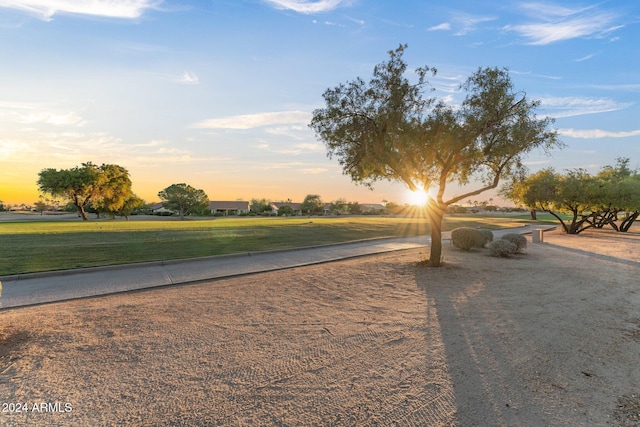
[
  {"x": 387, "y": 129},
  {"x": 86, "y": 184},
  {"x": 183, "y": 198}
]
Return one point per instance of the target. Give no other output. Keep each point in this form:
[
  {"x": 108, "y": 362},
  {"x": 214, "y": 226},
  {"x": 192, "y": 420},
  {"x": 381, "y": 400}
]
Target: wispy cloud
[
  {"x": 445, "y": 26},
  {"x": 578, "y": 106},
  {"x": 313, "y": 171},
  {"x": 250, "y": 121},
  {"x": 188, "y": 78},
  {"x": 597, "y": 133},
  {"x": 35, "y": 113},
  {"x": 306, "y": 6},
  {"x": 553, "y": 23},
  {"x": 464, "y": 23},
  {"x": 622, "y": 87},
  {"x": 46, "y": 9},
  {"x": 529, "y": 73},
  {"x": 585, "y": 58}
]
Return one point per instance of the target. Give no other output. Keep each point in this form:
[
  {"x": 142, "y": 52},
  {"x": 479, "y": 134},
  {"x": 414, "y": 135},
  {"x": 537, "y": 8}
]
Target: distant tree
[
  {"x": 393, "y": 208},
  {"x": 571, "y": 193},
  {"x": 260, "y": 205},
  {"x": 285, "y": 210},
  {"x": 86, "y": 184},
  {"x": 130, "y": 205},
  {"x": 617, "y": 195},
  {"x": 339, "y": 207},
  {"x": 354, "y": 208},
  {"x": 312, "y": 204},
  {"x": 40, "y": 206},
  {"x": 183, "y": 198},
  {"x": 387, "y": 130}
]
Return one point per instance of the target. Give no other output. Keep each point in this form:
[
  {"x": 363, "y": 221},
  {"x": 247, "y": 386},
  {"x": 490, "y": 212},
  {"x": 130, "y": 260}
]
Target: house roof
[{"x": 224, "y": 205}]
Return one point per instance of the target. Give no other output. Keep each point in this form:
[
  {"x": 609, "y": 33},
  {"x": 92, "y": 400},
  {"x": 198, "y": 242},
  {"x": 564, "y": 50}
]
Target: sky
[{"x": 218, "y": 94}]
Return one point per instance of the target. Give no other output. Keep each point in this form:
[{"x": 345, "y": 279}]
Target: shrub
[
  {"x": 502, "y": 248},
  {"x": 466, "y": 238},
  {"x": 486, "y": 237},
  {"x": 517, "y": 239}
]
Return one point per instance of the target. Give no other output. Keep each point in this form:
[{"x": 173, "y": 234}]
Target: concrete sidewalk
[{"x": 40, "y": 288}]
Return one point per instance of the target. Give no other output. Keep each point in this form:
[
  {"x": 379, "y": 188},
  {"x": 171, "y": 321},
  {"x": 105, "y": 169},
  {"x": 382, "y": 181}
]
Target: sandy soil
[{"x": 547, "y": 338}]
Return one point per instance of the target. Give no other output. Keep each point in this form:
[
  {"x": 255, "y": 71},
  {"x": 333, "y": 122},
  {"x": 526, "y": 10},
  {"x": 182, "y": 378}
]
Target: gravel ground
[{"x": 546, "y": 338}]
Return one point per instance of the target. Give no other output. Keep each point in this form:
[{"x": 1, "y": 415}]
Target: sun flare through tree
[{"x": 388, "y": 130}]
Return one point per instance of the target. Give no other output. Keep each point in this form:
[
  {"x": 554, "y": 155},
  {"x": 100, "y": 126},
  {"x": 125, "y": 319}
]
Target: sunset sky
[{"x": 218, "y": 94}]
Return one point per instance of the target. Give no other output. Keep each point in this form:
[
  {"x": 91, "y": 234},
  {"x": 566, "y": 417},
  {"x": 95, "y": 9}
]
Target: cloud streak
[
  {"x": 33, "y": 113},
  {"x": 46, "y": 9},
  {"x": 250, "y": 121},
  {"x": 596, "y": 133},
  {"x": 577, "y": 106},
  {"x": 305, "y": 6},
  {"x": 556, "y": 23}
]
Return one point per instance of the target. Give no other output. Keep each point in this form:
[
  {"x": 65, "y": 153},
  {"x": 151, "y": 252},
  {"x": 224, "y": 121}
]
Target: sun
[{"x": 418, "y": 197}]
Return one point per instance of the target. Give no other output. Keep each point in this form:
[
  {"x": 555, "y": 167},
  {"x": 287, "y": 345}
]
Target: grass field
[{"x": 35, "y": 246}]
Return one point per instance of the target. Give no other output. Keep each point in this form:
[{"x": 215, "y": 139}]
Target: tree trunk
[
  {"x": 534, "y": 214},
  {"x": 83, "y": 213},
  {"x": 628, "y": 221},
  {"x": 436, "y": 213}
]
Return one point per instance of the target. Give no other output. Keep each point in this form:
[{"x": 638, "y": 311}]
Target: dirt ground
[{"x": 547, "y": 338}]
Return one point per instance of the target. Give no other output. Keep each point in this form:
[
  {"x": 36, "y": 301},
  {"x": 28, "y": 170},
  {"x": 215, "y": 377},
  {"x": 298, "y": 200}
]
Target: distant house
[
  {"x": 159, "y": 209},
  {"x": 296, "y": 207},
  {"x": 373, "y": 208},
  {"x": 229, "y": 208}
]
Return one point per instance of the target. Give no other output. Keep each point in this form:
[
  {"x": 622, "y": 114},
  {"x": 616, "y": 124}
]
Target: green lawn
[{"x": 34, "y": 246}]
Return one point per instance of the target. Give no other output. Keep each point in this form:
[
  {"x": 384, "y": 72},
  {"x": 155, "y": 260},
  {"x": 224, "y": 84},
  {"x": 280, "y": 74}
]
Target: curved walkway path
[{"x": 41, "y": 288}]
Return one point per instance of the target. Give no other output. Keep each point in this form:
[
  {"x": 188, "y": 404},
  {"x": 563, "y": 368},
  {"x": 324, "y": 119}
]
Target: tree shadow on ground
[{"x": 497, "y": 360}]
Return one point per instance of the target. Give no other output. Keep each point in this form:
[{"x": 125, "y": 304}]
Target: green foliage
[
  {"x": 260, "y": 205},
  {"x": 286, "y": 210},
  {"x": 388, "y": 129},
  {"x": 590, "y": 201},
  {"x": 617, "y": 196},
  {"x": 354, "y": 208},
  {"x": 312, "y": 204},
  {"x": 129, "y": 205},
  {"x": 517, "y": 239},
  {"x": 502, "y": 248},
  {"x": 572, "y": 193},
  {"x": 466, "y": 238},
  {"x": 339, "y": 207},
  {"x": 183, "y": 198}
]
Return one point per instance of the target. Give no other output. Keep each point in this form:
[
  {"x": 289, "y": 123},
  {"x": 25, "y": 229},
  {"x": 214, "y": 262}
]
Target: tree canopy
[
  {"x": 388, "y": 129},
  {"x": 106, "y": 185},
  {"x": 183, "y": 198}
]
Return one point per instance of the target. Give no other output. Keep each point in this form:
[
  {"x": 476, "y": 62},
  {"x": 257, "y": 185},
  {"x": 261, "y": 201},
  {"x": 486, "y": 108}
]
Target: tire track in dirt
[{"x": 349, "y": 363}]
